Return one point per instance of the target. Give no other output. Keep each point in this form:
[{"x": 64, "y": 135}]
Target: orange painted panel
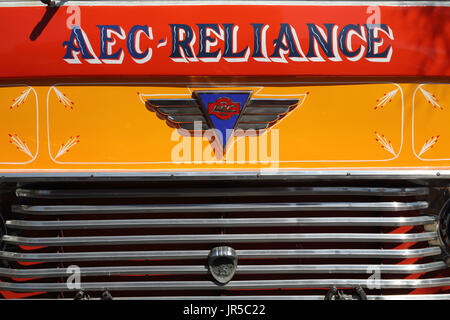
[
  {"x": 19, "y": 124},
  {"x": 431, "y": 122},
  {"x": 98, "y": 127}
]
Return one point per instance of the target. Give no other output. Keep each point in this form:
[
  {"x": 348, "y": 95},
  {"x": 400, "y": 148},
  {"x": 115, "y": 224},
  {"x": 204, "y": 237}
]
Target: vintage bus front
[{"x": 225, "y": 149}]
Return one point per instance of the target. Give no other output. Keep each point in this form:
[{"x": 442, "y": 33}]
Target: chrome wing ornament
[{"x": 225, "y": 113}]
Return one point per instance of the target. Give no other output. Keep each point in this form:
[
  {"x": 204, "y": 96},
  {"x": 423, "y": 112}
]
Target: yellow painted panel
[
  {"x": 108, "y": 127},
  {"x": 331, "y": 123},
  {"x": 431, "y": 122},
  {"x": 19, "y": 125}
]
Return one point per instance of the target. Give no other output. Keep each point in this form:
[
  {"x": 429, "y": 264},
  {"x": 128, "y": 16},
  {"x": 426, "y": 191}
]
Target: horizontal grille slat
[
  {"x": 240, "y": 222},
  {"x": 224, "y": 238},
  {"x": 242, "y": 269},
  {"x": 233, "y": 285},
  {"x": 217, "y": 192},
  {"x": 230, "y": 207},
  {"x": 202, "y": 254},
  {"x": 292, "y": 297}
]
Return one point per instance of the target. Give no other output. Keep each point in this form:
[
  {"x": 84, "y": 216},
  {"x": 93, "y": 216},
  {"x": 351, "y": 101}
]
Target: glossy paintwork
[
  {"x": 34, "y": 47},
  {"x": 108, "y": 127}
]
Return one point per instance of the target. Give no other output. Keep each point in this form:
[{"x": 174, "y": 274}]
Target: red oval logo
[{"x": 223, "y": 108}]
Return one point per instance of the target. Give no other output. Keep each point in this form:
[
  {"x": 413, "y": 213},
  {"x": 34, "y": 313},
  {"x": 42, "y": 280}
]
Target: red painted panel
[{"x": 418, "y": 38}]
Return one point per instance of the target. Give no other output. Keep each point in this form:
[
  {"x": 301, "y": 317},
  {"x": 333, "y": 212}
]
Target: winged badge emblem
[{"x": 225, "y": 113}]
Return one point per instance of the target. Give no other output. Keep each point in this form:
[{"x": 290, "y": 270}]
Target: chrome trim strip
[
  {"x": 274, "y": 103},
  {"x": 217, "y": 297},
  {"x": 233, "y": 285},
  {"x": 340, "y": 253},
  {"x": 228, "y": 207},
  {"x": 203, "y": 254},
  {"x": 265, "y": 174},
  {"x": 107, "y": 256},
  {"x": 179, "y": 110},
  {"x": 221, "y": 238},
  {"x": 274, "y": 111},
  {"x": 241, "y": 269},
  {"x": 411, "y": 297},
  {"x": 173, "y": 103},
  {"x": 201, "y": 223},
  {"x": 292, "y": 297},
  {"x": 186, "y": 118},
  {"x": 252, "y": 126},
  {"x": 259, "y": 117},
  {"x": 217, "y": 192},
  {"x": 191, "y": 126}
]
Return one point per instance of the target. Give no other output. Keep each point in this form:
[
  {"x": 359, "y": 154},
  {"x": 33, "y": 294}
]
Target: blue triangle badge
[{"x": 222, "y": 110}]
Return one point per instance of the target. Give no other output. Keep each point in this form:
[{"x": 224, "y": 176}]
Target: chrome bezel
[{"x": 226, "y": 255}]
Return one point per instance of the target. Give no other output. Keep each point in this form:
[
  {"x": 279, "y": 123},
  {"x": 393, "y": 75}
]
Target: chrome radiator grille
[{"x": 153, "y": 240}]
